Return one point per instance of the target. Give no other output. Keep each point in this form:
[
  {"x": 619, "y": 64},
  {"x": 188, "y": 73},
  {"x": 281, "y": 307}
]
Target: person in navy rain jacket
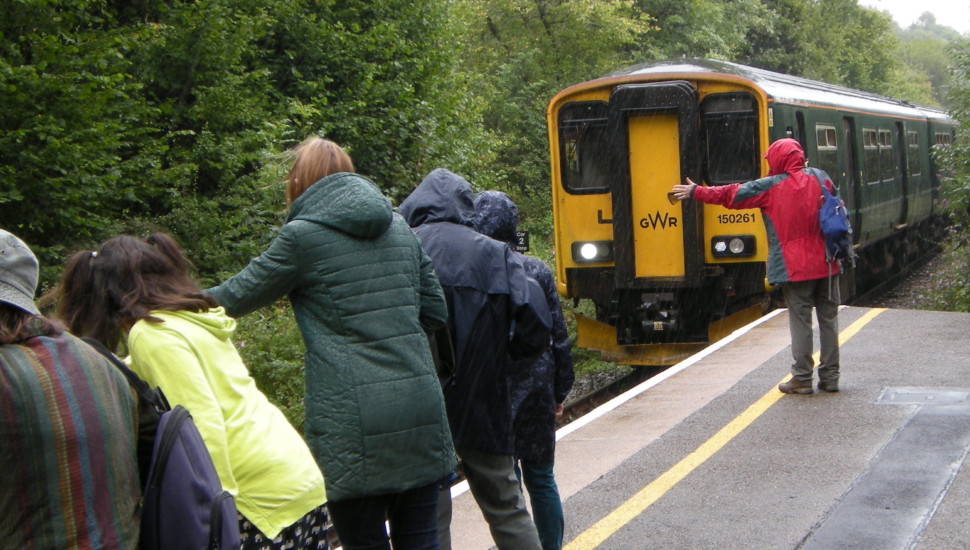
[
  {"x": 495, "y": 313},
  {"x": 539, "y": 389}
]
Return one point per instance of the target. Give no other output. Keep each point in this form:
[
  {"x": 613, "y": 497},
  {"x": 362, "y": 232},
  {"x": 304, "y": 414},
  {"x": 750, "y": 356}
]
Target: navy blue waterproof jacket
[
  {"x": 537, "y": 386},
  {"x": 495, "y": 311}
]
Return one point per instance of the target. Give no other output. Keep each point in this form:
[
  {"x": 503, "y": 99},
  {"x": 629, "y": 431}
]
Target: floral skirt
[{"x": 309, "y": 532}]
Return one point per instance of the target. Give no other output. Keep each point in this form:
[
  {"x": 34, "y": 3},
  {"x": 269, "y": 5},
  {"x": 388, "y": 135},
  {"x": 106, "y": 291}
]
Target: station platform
[{"x": 709, "y": 454}]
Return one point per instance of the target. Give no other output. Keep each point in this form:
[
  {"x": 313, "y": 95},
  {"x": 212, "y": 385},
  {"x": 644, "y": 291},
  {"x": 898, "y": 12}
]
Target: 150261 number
[{"x": 735, "y": 218}]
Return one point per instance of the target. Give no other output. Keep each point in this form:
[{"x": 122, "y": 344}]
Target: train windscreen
[
  {"x": 584, "y": 147},
  {"x": 730, "y": 128}
]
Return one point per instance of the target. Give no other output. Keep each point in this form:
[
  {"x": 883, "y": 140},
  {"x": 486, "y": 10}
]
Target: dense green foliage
[
  {"x": 924, "y": 49},
  {"x": 954, "y": 292},
  {"x": 124, "y": 116},
  {"x": 175, "y": 115}
]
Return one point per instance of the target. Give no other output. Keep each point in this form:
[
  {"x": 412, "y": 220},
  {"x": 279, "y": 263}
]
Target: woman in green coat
[{"x": 364, "y": 295}]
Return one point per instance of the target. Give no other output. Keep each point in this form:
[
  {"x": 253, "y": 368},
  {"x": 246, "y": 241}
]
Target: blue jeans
[
  {"x": 412, "y": 514},
  {"x": 546, "y": 504}
]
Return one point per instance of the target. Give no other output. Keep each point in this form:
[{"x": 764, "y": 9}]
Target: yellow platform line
[{"x": 604, "y": 528}]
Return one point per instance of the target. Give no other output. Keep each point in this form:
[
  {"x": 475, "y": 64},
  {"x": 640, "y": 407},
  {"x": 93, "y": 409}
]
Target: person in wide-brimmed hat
[{"x": 68, "y": 463}]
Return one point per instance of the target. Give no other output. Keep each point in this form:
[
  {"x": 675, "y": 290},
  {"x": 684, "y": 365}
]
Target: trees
[
  {"x": 923, "y": 51},
  {"x": 72, "y": 122},
  {"x": 517, "y": 54},
  {"x": 120, "y": 116},
  {"x": 171, "y": 115},
  {"x": 834, "y": 41},
  {"x": 957, "y": 157},
  {"x": 704, "y": 28}
]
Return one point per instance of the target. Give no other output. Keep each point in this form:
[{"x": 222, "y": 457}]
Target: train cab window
[
  {"x": 827, "y": 147},
  {"x": 886, "y": 164},
  {"x": 584, "y": 147},
  {"x": 729, "y": 125},
  {"x": 912, "y": 153}
]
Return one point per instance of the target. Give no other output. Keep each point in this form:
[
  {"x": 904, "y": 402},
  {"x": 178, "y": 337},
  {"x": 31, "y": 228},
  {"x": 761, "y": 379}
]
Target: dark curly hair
[
  {"x": 103, "y": 292},
  {"x": 17, "y": 325}
]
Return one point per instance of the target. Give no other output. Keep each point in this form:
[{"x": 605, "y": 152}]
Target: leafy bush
[{"x": 272, "y": 348}]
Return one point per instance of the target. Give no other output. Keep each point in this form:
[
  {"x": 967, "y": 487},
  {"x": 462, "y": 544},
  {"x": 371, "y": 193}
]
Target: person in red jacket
[{"x": 789, "y": 200}]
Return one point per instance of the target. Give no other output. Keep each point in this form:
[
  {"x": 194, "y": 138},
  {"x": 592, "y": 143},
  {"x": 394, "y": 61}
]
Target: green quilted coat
[{"x": 364, "y": 295}]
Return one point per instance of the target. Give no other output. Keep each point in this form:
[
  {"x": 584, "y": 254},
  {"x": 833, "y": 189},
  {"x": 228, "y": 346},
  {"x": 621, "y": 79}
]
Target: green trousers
[
  {"x": 491, "y": 479},
  {"x": 801, "y": 297}
]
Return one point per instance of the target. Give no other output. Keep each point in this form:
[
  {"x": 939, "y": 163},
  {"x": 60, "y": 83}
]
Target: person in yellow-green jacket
[{"x": 139, "y": 293}]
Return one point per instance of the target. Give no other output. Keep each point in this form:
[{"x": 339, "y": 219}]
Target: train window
[
  {"x": 870, "y": 158},
  {"x": 912, "y": 153},
  {"x": 729, "y": 125},
  {"x": 584, "y": 147},
  {"x": 828, "y": 152},
  {"x": 943, "y": 139},
  {"x": 886, "y": 165}
]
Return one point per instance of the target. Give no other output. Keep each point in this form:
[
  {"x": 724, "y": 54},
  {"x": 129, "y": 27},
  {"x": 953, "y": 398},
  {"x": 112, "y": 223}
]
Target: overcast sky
[{"x": 952, "y": 13}]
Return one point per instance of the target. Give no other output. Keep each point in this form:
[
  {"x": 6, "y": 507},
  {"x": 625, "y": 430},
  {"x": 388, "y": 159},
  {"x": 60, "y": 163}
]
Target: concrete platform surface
[{"x": 710, "y": 455}]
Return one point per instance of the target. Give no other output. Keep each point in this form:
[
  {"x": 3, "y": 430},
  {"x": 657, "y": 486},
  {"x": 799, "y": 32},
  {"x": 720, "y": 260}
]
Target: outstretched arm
[
  {"x": 684, "y": 191},
  {"x": 267, "y": 278}
]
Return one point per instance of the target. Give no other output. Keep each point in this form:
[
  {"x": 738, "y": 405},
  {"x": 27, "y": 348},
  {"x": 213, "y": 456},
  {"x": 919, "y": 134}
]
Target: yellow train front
[{"x": 667, "y": 278}]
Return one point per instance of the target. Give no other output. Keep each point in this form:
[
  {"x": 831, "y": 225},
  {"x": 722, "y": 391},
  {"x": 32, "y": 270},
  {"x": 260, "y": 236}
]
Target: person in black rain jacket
[
  {"x": 496, "y": 312},
  {"x": 539, "y": 387}
]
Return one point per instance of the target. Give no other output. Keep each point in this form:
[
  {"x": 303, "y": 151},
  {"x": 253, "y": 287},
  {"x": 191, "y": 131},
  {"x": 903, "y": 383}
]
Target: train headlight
[
  {"x": 733, "y": 246},
  {"x": 589, "y": 252}
]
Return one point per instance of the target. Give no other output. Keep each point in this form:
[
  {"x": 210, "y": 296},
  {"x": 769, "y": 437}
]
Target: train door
[
  {"x": 902, "y": 171},
  {"x": 850, "y": 187},
  {"x": 653, "y": 127},
  {"x": 849, "y": 192}
]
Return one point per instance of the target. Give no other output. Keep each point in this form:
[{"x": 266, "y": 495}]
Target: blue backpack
[
  {"x": 833, "y": 218},
  {"x": 183, "y": 503}
]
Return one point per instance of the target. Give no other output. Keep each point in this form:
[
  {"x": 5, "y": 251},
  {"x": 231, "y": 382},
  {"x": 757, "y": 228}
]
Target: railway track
[
  {"x": 873, "y": 296},
  {"x": 581, "y": 405}
]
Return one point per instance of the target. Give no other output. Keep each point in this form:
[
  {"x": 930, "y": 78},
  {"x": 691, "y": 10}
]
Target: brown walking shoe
[
  {"x": 828, "y": 385},
  {"x": 796, "y": 386}
]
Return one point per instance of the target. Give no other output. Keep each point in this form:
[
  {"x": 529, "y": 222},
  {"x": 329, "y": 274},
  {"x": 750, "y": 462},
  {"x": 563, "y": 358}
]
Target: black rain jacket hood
[{"x": 495, "y": 311}]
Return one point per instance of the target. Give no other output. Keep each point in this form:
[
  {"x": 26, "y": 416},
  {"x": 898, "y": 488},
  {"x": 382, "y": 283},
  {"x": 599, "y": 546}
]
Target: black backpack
[{"x": 183, "y": 503}]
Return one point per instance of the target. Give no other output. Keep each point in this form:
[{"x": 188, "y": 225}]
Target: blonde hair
[{"x": 316, "y": 158}]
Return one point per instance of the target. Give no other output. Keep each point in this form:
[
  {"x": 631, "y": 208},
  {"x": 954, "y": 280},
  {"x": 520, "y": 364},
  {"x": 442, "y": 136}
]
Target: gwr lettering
[{"x": 663, "y": 220}]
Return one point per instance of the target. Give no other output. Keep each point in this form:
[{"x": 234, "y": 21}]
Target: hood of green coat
[{"x": 349, "y": 203}]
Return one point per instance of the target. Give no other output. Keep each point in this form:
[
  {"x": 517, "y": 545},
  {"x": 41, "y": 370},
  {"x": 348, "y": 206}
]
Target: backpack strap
[
  {"x": 145, "y": 393},
  {"x": 818, "y": 178},
  {"x": 151, "y": 405},
  {"x": 826, "y": 194}
]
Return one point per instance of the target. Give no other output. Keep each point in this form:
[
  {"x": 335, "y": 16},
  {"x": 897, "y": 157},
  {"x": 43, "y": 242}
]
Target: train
[{"x": 655, "y": 280}]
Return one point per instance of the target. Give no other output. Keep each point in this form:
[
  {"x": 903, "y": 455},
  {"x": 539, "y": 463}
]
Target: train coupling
[{"x": 657, "y": 320}]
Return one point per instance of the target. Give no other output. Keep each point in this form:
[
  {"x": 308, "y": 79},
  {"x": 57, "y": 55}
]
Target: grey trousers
[
  {"x": 801, "y": 297},
  {"x": 492, "y": 481}
]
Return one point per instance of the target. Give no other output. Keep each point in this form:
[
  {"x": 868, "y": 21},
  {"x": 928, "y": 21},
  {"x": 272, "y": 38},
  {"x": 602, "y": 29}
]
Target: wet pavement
[{"x": 710, "y": 455}]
